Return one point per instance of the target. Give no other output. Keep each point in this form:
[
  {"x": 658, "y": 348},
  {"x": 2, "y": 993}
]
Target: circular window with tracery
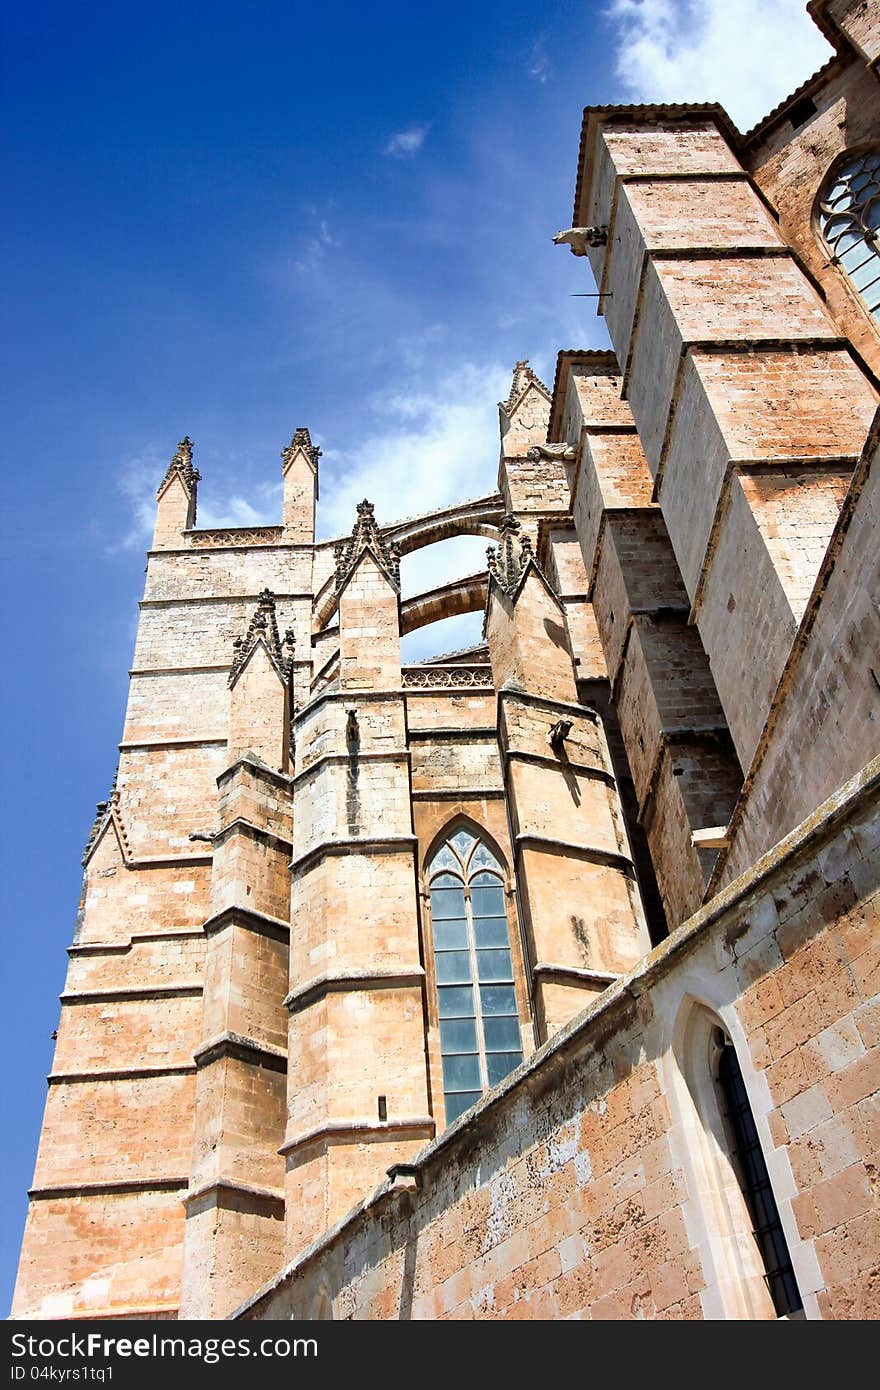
[{"x": 849, "y": 219}]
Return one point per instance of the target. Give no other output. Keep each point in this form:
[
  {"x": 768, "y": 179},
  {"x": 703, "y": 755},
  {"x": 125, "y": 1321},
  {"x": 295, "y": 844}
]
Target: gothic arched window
[
  {"x": 479, "y": 1022},
  {"x": 849, "y": 218},
  {"x": 754, "y": 1179},
  {"x": 745, "y": 1254}
]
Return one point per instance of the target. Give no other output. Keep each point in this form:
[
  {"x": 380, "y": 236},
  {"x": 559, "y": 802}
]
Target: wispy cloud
[
  {"x": 539, "y": 65},
  {"x": 313, "y": 249},
  {"x": 139, "y": 480},
  {"x": 406, "y": 143},
  {"x": 747, "y": 55}
]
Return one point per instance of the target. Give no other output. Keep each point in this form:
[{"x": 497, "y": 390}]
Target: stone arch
[
  {"x": 462, "y": 821},
  {"x": 466, "y": 595},
  {"x": 481, "y": 517}
]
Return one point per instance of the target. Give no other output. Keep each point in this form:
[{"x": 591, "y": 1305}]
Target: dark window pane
[
  {"x": 501, "y": 1064},
  {"x": 447, "y": 902},
  {"x": 456, "y": 1001},
  {"x": 491, "y": 931},
  {"x": 494, "y": 965},
  {"x": 498, "y": 999},
  {"x": 453, "y": 967},
  {"x": 458, "y": 1035},
  {"x": 502, "y": 1034},
  {"x": 487, "y": 902},
  {"x": 755, "y": 1183},
  {"x": 457, "y": 1104},
  {"x": 450, "y": 934},
  {"x": 461, "y": 1072}
]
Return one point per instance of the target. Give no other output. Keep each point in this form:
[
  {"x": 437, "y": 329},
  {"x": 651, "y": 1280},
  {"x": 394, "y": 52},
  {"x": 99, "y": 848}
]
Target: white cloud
[
  {"x": 433, "y": 443},
  {"x": 433, "y": 447},
  {"x": 407, "y": 143},
  {"x": 139, "y": 480},
  {"x": 747, "y": 55}
]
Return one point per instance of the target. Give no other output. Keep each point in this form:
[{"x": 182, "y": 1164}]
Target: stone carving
[
  {"x": 301, "y": 440},
  {"x": 263, "y": 627},
  {"x": 366, "y": 535},
  {"x": 449, "y": 677},
  {"x": 523, "y": 377},
  {"x": 235, "y": 536},
  {"x": 104, "y": 812},
  {"x": 577, "y": 239},
  {"x": 551, "y": 451},
  {"x": 182, "y": 466},
  {"x": 508, "y": 562}
]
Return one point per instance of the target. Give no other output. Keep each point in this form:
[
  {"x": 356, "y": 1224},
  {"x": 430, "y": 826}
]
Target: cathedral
[{"x": 539, "y": 979}]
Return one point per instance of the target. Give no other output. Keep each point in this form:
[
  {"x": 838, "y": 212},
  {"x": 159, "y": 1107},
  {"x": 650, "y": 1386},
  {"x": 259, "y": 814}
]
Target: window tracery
[
  {"x": 480, "y": 1039},
  {"x": 849, "y": 219}
]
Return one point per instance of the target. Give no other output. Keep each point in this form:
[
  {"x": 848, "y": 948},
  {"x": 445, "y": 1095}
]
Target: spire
[
  {"x": 263, "y": 627},
  {"x": 366, "y": 535},
  {"x": 523, "y": 378},
  {"x": 301, "y": 440},
  {"x": 508, "y": 562},
  {"x": 181, "y": 466}
]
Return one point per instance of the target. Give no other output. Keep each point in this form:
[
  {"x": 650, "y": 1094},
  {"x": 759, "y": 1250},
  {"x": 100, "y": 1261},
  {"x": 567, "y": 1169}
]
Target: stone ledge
[
  {"x": 525, "y": 697},
  {"x": 455, "y": 735},
  {"x": 135, "y": 745},
  {"x": 456, "y": 793},
  {"x": 72, "y": 1078},
  {"x": 365, "y": 1131},
  {"x": 98, "y": 996},
  {"x": 249, "y": 920},
  {"x": 597, "y": 774},
  {"x": 359, "y": 697},
  {"x": 321, "y": 985},
  {"x": 240, "y": 1049},
  {"x": 229, "y": 1192},
  {"x": 228, "y": 599},
  {"x": 258, "y": 768},
  {"x": 573, "y": 974},
  {"x": 110, "y": 1189},
  {"x": 400, "y": 755},
  {"x": 393, "y": 844},
  {"x": 241, "y": 826},
  {"x": 611, "y": 859},
  {"x": 112, "y": 948}
]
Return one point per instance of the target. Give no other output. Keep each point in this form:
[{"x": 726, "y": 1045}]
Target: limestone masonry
[{"x": 542, "y": 979}]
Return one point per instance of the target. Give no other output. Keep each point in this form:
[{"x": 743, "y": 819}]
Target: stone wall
[{"x": 581, "y": 1187}]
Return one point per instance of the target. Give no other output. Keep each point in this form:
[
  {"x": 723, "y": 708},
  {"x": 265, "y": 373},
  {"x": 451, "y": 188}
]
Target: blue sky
[{"x": 230, "y": 220}]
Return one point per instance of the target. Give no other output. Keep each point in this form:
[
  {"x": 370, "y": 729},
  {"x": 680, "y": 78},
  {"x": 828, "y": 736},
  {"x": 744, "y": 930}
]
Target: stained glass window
[
  {"x": 849, "y": 218},
  {"x": 479, "y": 1022}
]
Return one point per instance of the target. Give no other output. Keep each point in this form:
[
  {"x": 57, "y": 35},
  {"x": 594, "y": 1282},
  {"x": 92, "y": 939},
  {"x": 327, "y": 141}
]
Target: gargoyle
[
  {"x": 579, "y": 238},
  {"x": 551, "y": 451}
]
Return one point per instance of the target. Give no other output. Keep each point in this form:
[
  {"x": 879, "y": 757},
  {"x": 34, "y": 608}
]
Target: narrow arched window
[
  {"x": 754, "y": 1179},
  {"x": 479, "y": 1022},
  {"x": 849, "y": 217}
]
